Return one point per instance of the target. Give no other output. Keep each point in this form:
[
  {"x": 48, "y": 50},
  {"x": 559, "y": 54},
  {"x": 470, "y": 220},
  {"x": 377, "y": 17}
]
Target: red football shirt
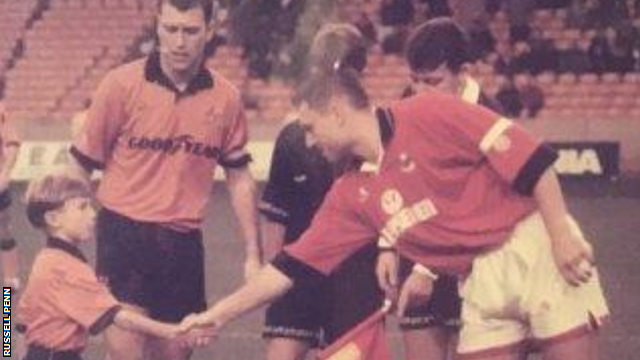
[{"x": 454, "y": 180}]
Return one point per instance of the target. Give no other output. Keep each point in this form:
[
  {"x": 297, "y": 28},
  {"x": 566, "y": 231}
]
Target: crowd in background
[{"x": 274, "y": 36}]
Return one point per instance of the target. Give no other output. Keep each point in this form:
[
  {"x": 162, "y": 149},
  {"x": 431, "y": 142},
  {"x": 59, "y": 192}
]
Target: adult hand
[
  {"x": 190, "y": 322},
  {"x": 574, "y": 257},
  {"x": 416, "y": 289},
  {"x": 387, "y": 273}
]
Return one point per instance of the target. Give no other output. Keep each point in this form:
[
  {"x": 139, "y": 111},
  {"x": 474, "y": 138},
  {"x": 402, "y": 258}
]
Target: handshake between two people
[{"x": 194, "y": 331}]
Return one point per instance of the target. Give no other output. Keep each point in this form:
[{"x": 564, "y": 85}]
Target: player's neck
[{"x": 368, "y": 142}]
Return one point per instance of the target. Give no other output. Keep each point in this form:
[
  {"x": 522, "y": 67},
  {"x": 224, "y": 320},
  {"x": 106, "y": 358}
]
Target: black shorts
[
  {"x": 35, "y": 352},
  {"x": 147, "y": 265},
  {"x": 5, "y": 199},
  {"x": 442, "y": 309},
  {"x": 320, "y": 313}
]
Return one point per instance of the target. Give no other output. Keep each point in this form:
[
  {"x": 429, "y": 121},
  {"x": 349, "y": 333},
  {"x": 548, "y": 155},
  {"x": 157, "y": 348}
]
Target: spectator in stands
[
  {"x": 503, "y": 63},
  {"x": 621, "y": 43},
  {"x": 519, "y": 13},
  {"x": 577, "y": 15},
  {"x": 482, "y": 42},
  {"x": 367, "y": 28},
  {"x": 521, "y": 61},
  {"x": 395, "y": 17},
  {"x": 469, "y": 14},
  {"x": 9, "y": 148},
  {"x": 473, "y": 18},
  {"x": 573, "y": 59},
  {"x": 509, "y": 97},
  {"x": 493, "y": 6},
  {"x": 543, "y": 53},
  {"x": 531, "y": 96},
  {"x": 438, "y": 8},
  {"x": 606, "y": 12},
  {"x": 552, "y": 4},
  {"x": 394, "y": 43},
  {"x": 600, "y": 51},
  {"x": 158, "y": 127},
  {"x": 396, "y": 13},
  {"x": 253, "y": 23}
]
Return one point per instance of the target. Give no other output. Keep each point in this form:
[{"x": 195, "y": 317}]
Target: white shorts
[{"x": 516, "y": 294}]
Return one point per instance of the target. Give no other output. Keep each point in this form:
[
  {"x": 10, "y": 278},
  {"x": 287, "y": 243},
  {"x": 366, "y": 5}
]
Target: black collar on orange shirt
[
  {"x": 153, "y": 73},
  {"x": 55, "y": 243}
]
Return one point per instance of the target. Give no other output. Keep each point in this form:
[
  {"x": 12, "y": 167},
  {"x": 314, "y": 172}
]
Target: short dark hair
[
  {"x": 436, "y": 42},
  {"x": 338, "y": 46},
  {"x": 320, "y": 89},
  {"x": 184, "y": 5}
]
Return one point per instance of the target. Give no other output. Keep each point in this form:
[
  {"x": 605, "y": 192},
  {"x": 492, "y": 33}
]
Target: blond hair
[{"x": 50, "y": 191}]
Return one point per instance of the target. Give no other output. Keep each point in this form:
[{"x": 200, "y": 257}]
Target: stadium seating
[
  {"x": 67, "y": 51},
  {"x": 69, "y": 48}
]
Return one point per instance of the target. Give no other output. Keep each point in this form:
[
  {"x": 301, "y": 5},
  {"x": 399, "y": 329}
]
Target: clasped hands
[{"x": 194, "y": 332}]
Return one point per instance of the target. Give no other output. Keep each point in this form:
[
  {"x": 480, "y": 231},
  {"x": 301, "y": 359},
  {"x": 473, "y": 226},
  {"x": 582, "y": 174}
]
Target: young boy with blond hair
[{"x": 64, "y": 302}]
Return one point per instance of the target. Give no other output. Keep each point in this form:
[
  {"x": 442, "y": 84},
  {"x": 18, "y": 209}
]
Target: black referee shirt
[{"x": 299, "y": 179}]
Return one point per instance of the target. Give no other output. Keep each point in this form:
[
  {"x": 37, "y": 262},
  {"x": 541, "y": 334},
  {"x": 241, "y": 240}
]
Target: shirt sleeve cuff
[
  {"x": 105, "y": 320},
  {"x": 85, "y": 161},
  {"x": 236, "y": 162},
  {"x": 273, "y": 213},
  {"x": 296, "y": 270},
  {"x": 541, "y": 159}
]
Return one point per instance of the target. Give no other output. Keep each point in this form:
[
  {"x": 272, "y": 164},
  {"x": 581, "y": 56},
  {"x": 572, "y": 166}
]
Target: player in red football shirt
[
  {"x": 458, "y": 190},
  {"x": 437, "y": 55}
]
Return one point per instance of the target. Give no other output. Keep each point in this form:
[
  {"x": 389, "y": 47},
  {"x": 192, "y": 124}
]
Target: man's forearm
[
  {"x": 242, "y": 190},
  {"x": 551, "y": 204},
  {"x": 267, "y": 285},
  {"x": 272, "y": 238},
  {"x": 133, "y": 321}
]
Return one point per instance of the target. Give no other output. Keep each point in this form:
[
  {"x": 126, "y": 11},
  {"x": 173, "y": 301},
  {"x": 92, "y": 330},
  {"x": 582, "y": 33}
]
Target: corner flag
[{"x": 366, "y": 341}]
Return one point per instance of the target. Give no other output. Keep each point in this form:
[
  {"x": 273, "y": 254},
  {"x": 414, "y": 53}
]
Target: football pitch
[{"x": 609, "y": 215}]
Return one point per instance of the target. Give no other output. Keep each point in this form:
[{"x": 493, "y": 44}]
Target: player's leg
[
  {"x": 354, "y": 293},
  {"x": 122, "y": 262},
  {"x": 492, "y": 320},
  {"x": 429, "y": 331},
  {"x": 565, "y": 319},
  {"x": 177, "y": 285},
  {"x": 281, "y": 348},
  {"x": 166, "y": 350},
  {"x": 426, "y": 344},
  {"x": 124, "y": 344},
  {"x": 578, "y": 348}
]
